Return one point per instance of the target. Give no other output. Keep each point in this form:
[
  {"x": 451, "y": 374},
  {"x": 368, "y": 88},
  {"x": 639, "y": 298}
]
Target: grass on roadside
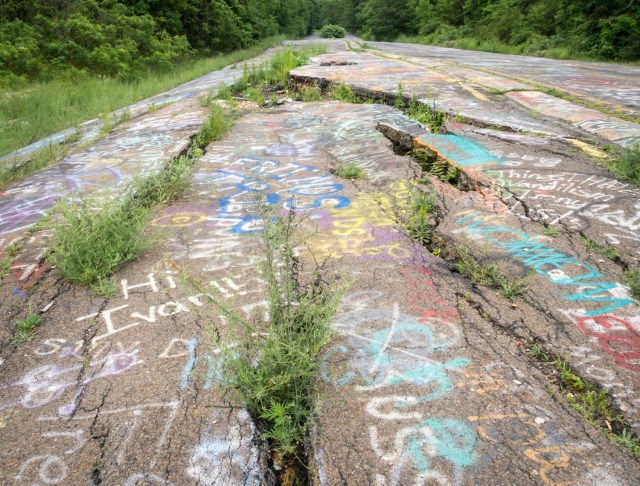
[
  {"x": 92, "y": 239},
  {"x": 276, "y": 369},
  {"x": 488, "y": 275},
  {"x": 592, "y": 402},
  {"x": 45, "y": 108},
  {"x": 25, "y": 328}
]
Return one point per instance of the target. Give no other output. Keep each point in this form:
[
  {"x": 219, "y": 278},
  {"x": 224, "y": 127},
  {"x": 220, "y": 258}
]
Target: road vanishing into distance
[{"x": 439, "y": 372}]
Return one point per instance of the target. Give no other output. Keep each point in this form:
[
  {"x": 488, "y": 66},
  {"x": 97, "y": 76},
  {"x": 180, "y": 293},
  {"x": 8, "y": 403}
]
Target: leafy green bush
[{"x": 332, "y": 31}]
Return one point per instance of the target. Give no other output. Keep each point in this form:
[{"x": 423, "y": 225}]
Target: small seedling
[
  {"x": 26, "y": 327},
  {"x": 350, "y": 171}
]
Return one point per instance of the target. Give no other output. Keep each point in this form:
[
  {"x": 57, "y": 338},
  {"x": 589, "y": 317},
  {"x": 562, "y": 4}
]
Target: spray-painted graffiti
[
  {"x": 592, "y": 286},
  {"x": 46, "y": 384}
]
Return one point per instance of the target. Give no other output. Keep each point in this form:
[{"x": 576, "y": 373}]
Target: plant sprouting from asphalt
[{"x": 276, "y": 368}]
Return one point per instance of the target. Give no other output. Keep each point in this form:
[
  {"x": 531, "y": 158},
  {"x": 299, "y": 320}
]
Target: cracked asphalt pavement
[{"x": 428, "y": 379}]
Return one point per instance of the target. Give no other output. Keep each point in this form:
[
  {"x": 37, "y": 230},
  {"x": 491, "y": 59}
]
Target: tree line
[
  {"x": 48, "y": 39},
  {"x": 606, "y": 29},
  {"x": 66, "y": 39}
]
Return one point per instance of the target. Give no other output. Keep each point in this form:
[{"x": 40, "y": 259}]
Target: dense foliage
[
  {"x": 606, "y": 29},
  {"x": 70, "y": 39},
  {"x": 49, "y": 39},
  {"x": 332, "y": 31}
]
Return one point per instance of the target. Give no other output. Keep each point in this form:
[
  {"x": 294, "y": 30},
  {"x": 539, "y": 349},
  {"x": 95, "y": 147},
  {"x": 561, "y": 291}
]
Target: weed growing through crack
[
  {"x": 350, "y": 171},
  {"x": 276, "y": 368},
  {"x": 92, "y": 239},
  {"x": 592, "y": 402},
  {"x": 419, "y": 225},
  {"x": 25, "y": 327},
  {"x": 608, "y": 251},
  {"x": 489, "y": 275},
  {"x": 627, "y": 165},
  {"x": 551, "y": 231},
  {"x": 343, "y": 92},
  {"x": 427, "y": 114},
  {"x": 631, "y": 278},
  {"x": 309, "y": 94}
]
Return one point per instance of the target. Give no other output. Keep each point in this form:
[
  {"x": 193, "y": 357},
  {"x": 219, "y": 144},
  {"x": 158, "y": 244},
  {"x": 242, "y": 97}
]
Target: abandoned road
[{"x": 498, "y": 343}]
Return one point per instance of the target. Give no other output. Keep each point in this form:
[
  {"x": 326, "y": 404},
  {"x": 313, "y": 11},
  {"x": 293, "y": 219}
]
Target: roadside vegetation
[
  {"x": 41, "y": 108},
  {"x": 276, "y": 369},
  {"x": 593, "y": 403},
  {"x": 93, "y": 238},
  {"x": 563, "y": 29}
]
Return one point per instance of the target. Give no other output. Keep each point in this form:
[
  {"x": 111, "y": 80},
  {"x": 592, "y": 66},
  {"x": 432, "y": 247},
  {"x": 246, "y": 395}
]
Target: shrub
[{"x": 332, "y": 31}]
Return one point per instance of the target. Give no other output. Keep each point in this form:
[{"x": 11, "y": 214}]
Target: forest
[{"x": 124, "y": 39}]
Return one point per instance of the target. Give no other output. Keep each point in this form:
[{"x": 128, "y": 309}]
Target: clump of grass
[
  {"x": 551, "y": 231},
  {"x": 276, "y": 369},
  {"x": 343, "y": 92},
  {"x": 631, "y": 278},
  {"x": 25, "y": 327},
  {"x": 350, "y": 171},
  {"x": 489, "y": 275},
  {"x": 627, "y": 166},
  {"x": 425, "y": 114},
  {"x": 309, "y": 94},
  {"x": 608, "y": 251},
  {"x": 592, "y": 402},
  {"x": 255, "y": 95},
  {"x": 91, "y": 241}
]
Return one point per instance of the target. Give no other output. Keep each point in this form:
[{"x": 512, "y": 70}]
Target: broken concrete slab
[
  {"x": 619, "y": 131},
  {"x": 379, "y": 75},
  {"x": 612, "y": 85}
]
